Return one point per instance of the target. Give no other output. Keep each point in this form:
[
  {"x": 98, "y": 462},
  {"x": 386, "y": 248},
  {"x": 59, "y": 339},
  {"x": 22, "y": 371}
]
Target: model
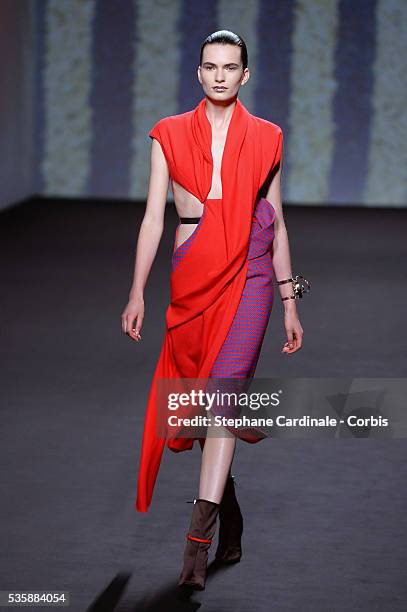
[{"x": 225, "y": 167}]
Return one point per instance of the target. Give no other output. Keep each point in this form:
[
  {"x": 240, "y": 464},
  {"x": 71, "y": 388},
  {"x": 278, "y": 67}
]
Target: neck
[{"x": 219, "y": 114}]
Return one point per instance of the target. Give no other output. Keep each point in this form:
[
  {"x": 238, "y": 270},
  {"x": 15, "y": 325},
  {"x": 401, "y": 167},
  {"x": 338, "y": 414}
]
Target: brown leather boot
[
  {"x": 199, "y": 538},
  {"x": 230, "y": 526}
]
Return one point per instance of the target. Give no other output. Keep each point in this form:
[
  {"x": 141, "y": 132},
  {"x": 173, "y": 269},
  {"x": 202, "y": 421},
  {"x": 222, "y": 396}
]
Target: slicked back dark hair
[{"x": 226, "y": 37}]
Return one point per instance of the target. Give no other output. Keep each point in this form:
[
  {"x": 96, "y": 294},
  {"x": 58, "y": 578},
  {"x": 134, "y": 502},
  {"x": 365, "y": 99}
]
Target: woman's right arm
[{"x": 149, "y": 237}]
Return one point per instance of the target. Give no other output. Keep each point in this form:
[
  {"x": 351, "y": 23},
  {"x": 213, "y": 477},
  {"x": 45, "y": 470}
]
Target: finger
[
  {"x": 290, "y": 337},
  {"x": 139, "y": 322},
  {"x": 135, "y": 327},
  {"x": 138, "y": 325},
  {"x": 298, "y": 344},
  {"x": 133, "y": 336},
  {"x": 129, "y": 325},
  {"x": 299, "y": 340},
  {"x": 132, "y": 333},
  {"x": 292, "y": 347}
]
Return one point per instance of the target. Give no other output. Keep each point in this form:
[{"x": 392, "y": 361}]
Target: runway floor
[{"x": 325, "y": 520}]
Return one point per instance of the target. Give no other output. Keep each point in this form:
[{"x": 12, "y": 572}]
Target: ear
[
  {"x": 199, "y": 74},
  {"x": 246, "y": 76}
]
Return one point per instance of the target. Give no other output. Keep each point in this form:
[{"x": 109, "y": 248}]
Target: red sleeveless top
[{"x": 207, "y": 285}]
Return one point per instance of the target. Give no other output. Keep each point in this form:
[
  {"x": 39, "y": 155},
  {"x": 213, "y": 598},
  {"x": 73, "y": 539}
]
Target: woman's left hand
[{"x": 294, "y": 332}]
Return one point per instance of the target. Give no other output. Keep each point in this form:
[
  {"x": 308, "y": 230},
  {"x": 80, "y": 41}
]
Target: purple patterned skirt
[{"x": 240, "y": 351}]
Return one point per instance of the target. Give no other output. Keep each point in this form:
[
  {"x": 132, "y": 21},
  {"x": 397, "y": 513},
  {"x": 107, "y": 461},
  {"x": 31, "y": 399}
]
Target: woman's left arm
[{"x": 282, "y": 267}]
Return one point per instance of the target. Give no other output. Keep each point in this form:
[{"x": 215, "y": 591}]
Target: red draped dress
[{"x": 218, "y": 272}]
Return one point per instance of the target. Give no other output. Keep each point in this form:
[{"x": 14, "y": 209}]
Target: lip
[{"x": 220, "y": 88}]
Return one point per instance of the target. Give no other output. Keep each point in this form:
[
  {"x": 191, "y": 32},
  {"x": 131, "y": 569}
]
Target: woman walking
[{"x": 221, "y": 160}]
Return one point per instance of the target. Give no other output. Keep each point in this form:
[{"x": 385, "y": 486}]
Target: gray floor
[{"x": 325, "y": 520}]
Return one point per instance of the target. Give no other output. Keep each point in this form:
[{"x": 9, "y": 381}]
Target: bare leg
[
  {"x": 217, "y": 457},
  {"x": 202, "y": 445}
]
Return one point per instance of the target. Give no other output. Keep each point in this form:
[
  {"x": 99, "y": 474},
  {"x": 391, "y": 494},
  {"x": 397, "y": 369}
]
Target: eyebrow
[{"x": 230, "y": 64}]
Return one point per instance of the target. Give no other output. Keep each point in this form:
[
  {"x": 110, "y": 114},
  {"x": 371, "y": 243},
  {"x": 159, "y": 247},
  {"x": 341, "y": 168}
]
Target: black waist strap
[{"x": 189, "y": 219}]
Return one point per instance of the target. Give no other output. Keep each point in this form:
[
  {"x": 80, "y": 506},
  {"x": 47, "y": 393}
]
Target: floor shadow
[
  {"x": 112, "y": 594},
  {"x": 166, "y": 599},
  {"x": 175, "y": 598}
]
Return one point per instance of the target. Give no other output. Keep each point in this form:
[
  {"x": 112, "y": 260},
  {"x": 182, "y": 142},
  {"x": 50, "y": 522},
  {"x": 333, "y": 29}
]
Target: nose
[{"x": 219, "y": 78}]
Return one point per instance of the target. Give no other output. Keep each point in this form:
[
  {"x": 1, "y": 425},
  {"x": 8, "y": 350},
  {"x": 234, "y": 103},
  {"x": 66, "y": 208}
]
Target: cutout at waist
[
  {"x": 196, "y": 219},
  {"x": 189, "y": 219}
]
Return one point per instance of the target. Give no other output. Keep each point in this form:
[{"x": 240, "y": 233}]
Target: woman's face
[{"x": 221, "y": 73}]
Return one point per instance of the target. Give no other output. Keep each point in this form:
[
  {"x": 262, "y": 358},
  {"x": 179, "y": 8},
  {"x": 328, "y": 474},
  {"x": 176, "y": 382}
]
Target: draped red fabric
[{"x": 207, "y": 285}]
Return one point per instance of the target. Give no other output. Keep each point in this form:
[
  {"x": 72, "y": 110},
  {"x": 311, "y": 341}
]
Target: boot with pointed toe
[
  {"x": 230, "y": 526},
  {"x": 199, "y": 538}
]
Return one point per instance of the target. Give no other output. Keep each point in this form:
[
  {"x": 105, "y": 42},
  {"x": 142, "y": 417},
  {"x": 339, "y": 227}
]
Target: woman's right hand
[{"x": 132, "y": 318}]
